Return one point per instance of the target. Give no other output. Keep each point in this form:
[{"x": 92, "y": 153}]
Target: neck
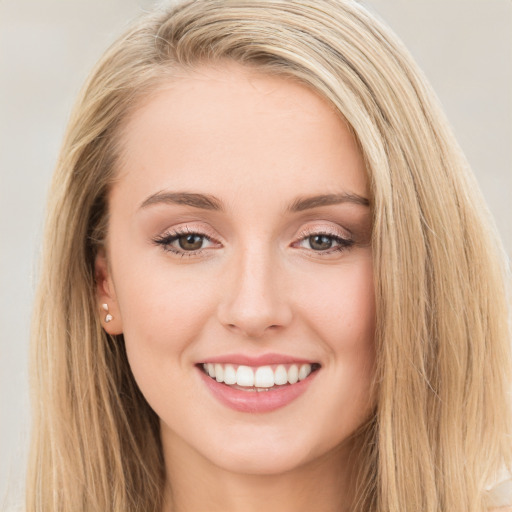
[{"x": 194, "y": 483}]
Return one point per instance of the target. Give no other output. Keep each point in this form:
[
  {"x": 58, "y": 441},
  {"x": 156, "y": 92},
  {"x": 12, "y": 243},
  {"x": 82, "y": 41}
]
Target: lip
[
  {"x": 255, "y": 401},
  {"x": 254, "y": 361}
]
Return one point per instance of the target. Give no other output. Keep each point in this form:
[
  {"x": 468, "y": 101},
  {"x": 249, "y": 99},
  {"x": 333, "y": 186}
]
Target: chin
[
  {"x": 267, "y": 451},
  {"x": 260, "y": 461}
]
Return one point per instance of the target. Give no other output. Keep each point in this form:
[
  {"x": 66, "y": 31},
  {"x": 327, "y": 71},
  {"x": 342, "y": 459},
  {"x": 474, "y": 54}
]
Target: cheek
[
  {"x": 342, "y": 316},
  {"x": 164, "y": 309},
  {"x": 342, "y": 310},
  {"x": 162, "y": 318},
  {"x": 161, "y": 302},
  {"x": 353, "y": 336}
]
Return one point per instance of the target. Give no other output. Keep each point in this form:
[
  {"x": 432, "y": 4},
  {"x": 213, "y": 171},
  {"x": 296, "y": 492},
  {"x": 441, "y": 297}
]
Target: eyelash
[
  {"x": 169, "y": 238},
  {"x": 343, "y": 243}
]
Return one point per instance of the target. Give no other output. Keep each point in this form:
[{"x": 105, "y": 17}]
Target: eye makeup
[
  {"x": 185, "y": 241},
  {"x": 188, "y": 241}
]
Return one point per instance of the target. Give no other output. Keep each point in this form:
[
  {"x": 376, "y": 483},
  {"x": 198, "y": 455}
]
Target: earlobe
[{"x": 108, "y": 307}]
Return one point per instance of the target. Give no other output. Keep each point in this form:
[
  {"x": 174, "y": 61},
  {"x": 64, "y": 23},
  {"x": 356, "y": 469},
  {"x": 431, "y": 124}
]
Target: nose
[{"x": 255, "y": 300}]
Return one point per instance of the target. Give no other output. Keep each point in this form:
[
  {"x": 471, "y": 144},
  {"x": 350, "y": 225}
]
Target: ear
[{"x": 105, "y": 293}]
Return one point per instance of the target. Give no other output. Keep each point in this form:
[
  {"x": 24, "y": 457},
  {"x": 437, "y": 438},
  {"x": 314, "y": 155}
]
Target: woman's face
[{"x": 239, "y": 243}]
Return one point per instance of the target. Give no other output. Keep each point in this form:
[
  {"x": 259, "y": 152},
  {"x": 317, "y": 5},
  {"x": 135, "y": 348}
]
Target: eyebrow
[
  {"x": 209, "y": 202},
  {"x": 307, "y": 203},
  {"x": 203, "y": 201}
]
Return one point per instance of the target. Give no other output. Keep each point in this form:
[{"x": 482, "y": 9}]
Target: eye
[
  {"x": 185, "y": 243},
  {"x": 320, "y": 242},
  {"x": 190, "y": 242},
  {"x": 324, "y": 243}
]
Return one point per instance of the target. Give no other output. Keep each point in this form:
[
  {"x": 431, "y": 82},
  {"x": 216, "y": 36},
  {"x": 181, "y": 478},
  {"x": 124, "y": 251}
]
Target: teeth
[
  {"x": 245, "y": 376},
  {"x": 229, "y": 374},
  {"x": 264, "y": 377},
  {"x": 281, "y": 375},
  {"x": 293, "y": 374},
  {"x": 219, "y": 373},
  {"x": 261, "y": 378},
  {"x": 304, "y": 371}
]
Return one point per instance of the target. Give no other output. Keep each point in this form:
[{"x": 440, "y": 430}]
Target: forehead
[{"x": 227, "y": 127}]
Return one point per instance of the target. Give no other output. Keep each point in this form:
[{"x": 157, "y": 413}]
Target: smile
[
  {"x": 254, "y": 387},
  {"x": 261, "y": 378}
]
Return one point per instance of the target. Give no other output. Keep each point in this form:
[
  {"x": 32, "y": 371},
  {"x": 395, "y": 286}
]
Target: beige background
[{"x": 46, "y": 50}]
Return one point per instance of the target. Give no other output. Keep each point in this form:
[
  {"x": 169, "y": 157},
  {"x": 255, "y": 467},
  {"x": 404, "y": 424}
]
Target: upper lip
[{"x": 261, "y": 360}]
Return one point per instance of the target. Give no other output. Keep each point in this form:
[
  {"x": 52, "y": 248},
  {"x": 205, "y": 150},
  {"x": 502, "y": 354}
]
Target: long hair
[{"x": 441, "y": 429}]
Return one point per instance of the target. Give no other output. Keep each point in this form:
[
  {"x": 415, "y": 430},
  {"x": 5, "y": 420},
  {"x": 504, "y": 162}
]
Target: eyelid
[
  {"x": 171, "y": 234},
  {"x": 342, "y": 241},
  {"x": 323, "y": 229},
  {"x": 186, "y": 228}
]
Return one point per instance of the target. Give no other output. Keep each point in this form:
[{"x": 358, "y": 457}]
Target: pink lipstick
[{"x": 257, "y": 384}]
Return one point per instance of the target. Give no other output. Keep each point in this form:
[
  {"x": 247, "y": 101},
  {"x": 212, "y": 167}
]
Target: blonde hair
[{"x": 440, "y": 433}]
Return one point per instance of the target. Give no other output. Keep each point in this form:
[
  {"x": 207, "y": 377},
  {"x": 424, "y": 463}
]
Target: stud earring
[{"x": 108, "y": 316}]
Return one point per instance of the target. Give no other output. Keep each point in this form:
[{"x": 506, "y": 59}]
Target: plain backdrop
[{"x": 46, "y": 50}]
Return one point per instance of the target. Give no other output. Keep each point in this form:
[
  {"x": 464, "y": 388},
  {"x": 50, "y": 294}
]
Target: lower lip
[{"x": 256, "y": 401}]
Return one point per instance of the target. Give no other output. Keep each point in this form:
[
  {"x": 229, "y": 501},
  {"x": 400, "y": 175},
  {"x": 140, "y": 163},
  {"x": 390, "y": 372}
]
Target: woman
[{"x": 269, "y": 281}]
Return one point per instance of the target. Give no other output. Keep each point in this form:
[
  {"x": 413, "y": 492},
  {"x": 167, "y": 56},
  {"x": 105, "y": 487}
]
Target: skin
[{"x": 257, "y": 144}]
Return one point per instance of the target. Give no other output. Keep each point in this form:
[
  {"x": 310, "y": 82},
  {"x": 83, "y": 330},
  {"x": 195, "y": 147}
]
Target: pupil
[
  {"x": 320, "y": 242},
  {"x": 190, "y": 242}
]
